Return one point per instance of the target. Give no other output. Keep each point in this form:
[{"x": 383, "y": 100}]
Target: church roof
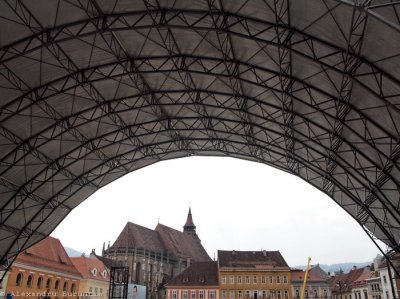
[
  {"x": 251, "y": 259},
  {"x": 181, "y": 244},
  {"x": 48, "y": 254},
  {"x": 140, "y": 237},
  {"x": 198, "y": 274},
  {"x": 164, "y": 240}
]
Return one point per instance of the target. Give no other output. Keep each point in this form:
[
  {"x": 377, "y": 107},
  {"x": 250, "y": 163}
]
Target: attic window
[
  {"x": 94, "y": 272},
  {"x": 201, "y": 279},
  {"x": 104, "y": 273},
  {"x": 186, "y": 279}
]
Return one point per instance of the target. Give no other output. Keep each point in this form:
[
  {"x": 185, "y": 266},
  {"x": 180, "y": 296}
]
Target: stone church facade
[{"x": 156, "y": 256}]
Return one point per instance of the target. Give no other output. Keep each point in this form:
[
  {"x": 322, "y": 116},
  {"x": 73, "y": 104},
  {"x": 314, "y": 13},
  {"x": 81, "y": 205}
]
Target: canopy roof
[{"x": 94, "y": 89}]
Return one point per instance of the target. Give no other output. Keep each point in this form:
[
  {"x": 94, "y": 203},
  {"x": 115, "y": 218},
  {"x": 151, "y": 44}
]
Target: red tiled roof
[
  {"x": 198, "y": 274},
  {"x": 86, "y": 267},
  {"x": 271, "y": 259},
  {"x": 343, "y": 282},
  {"x": 181, "y": 244},
  {"x": 48, "y": 253}
]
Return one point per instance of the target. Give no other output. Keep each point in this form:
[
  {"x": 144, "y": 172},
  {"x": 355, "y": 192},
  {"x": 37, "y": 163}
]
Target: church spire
[{"x": 189, "y": 226}]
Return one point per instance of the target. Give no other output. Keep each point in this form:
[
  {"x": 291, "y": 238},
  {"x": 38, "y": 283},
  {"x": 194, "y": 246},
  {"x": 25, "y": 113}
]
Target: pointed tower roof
[{"x": 189, "y": 225}]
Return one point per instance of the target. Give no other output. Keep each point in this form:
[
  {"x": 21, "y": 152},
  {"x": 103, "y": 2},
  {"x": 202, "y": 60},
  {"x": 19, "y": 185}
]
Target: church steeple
[{"x": 189, "y": 226}]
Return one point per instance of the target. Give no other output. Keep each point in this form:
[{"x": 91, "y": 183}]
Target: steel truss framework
[{"x": 94, "y": 89}]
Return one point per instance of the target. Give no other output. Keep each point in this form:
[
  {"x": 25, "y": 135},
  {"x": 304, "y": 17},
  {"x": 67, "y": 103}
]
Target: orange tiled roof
[
  {"x": 49, "y": 254},
  {"x": 86, "y": 267}
]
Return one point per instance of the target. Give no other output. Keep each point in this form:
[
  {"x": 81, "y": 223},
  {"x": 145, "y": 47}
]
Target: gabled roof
[
  {"x": 343, "y": 282},
  {"x": 164, "y": 240},
  {"x": 198, "y": 274},
  {"x": 182, "y": 245},
  {"x": 91, "y": 268},
  {"x": 251, "y": 259},
  {"x": 136, "y": 236},
  {"x": 48, "y": 254},
  {"x": 318, "y": 272}
]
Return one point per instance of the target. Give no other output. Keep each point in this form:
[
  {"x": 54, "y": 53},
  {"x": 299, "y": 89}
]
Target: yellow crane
[{"x": 303, "y": 289}]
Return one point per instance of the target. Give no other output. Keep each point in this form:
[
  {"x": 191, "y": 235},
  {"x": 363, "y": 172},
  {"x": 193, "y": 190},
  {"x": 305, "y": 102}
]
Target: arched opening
[{"x": 301, "y": 91}]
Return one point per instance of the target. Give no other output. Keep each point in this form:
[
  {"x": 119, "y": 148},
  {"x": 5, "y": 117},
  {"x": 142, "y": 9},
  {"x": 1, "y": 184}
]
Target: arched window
[
  {"x": 18, "y": 281},
  {"x": 48, "y": 283},
  {"x": 65, "y": 286},
  {"x": 29, "y": 281},
  {"x": 39, "y": 282},
  {"x": 72, "y": 288},
  {"x": 57, "y": 285}
]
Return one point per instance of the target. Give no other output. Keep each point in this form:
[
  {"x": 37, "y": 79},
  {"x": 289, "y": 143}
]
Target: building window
[
  {"x": 29, "y": 281},
  {"x": 174, "y": 294},
  {"x": 305, "y": 293},
  {"x": 65, "y": 287},
  {"x": 271, "y": 294},
  {"x": 193, "y": 294},
  {"x": 101, "y": 291},
  {"x": 263, "y": 279},
  {"x": 271, "y": 279},
  {"x": 278, "y": 294},
  {"x": 185, "y": 294},
  {"x": 255, "y": 295},
  {"x": 264, "y": 294},
  {"x": 240, "y": 295},
  {"x": 223, "y": 294},
  {"x": 247, "y": 279},
  {"x": 326, "y": 294},
  {"x": 278, "y": 279},
  {"x": 201, "y": 294},
  {"x": 384, "y": 279},
  {"x": 223, "y": 279},
  {"x": 255, "y": 279},
  {"x": 212, "y": 294},
  {"x": 315, "y": 294},
  {"x": 247, "y": 294},
  {"x": 239, "y": 279},
  {"x": 231, "y": 279},
  {"x": 48, "y": 283},
  {"x": 297, "y": 293},
  {"x": 72, "y": 288},
  {"x": 90, "y": 290},
  {"x": 18, "y": 281},
  {"x": 232, "y": 294},
  {"x": 286, "y": 294},
  {"x": 285, "y": 279},
  {"x": 39, "y": 282},
  {"x": 387, "y": 294},
  {"x": 57, "y": 284}
]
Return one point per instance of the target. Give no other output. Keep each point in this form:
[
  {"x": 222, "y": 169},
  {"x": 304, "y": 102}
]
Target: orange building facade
[
  {"x": 253, "y": 275},
  {"x": 43, "y": 268}
]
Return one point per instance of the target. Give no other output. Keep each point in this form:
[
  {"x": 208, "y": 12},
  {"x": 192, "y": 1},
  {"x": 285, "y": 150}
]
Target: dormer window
[
  {"x": 104, "y": 273},
  {"x": 186, "y": 279},
  {"x": 94, "y": 272}
]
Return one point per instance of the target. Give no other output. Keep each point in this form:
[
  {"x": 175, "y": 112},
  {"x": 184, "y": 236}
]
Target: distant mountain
[
  {"x": 345, "y": 267},
  {"x": 72, "y": 252}
]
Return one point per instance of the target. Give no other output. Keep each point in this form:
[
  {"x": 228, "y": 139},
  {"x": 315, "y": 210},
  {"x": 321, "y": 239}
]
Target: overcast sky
[{"x": 235, "y": 204}]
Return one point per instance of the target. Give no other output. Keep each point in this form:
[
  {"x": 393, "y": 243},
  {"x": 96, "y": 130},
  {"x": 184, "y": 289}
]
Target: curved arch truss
[{"x": 94, "y": 89}]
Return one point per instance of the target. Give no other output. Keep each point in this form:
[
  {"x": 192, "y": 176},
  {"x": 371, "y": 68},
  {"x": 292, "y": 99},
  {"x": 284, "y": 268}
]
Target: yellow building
[
  {"x": 253, "y": 275},
  {"x": 95, "y": 278}
]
